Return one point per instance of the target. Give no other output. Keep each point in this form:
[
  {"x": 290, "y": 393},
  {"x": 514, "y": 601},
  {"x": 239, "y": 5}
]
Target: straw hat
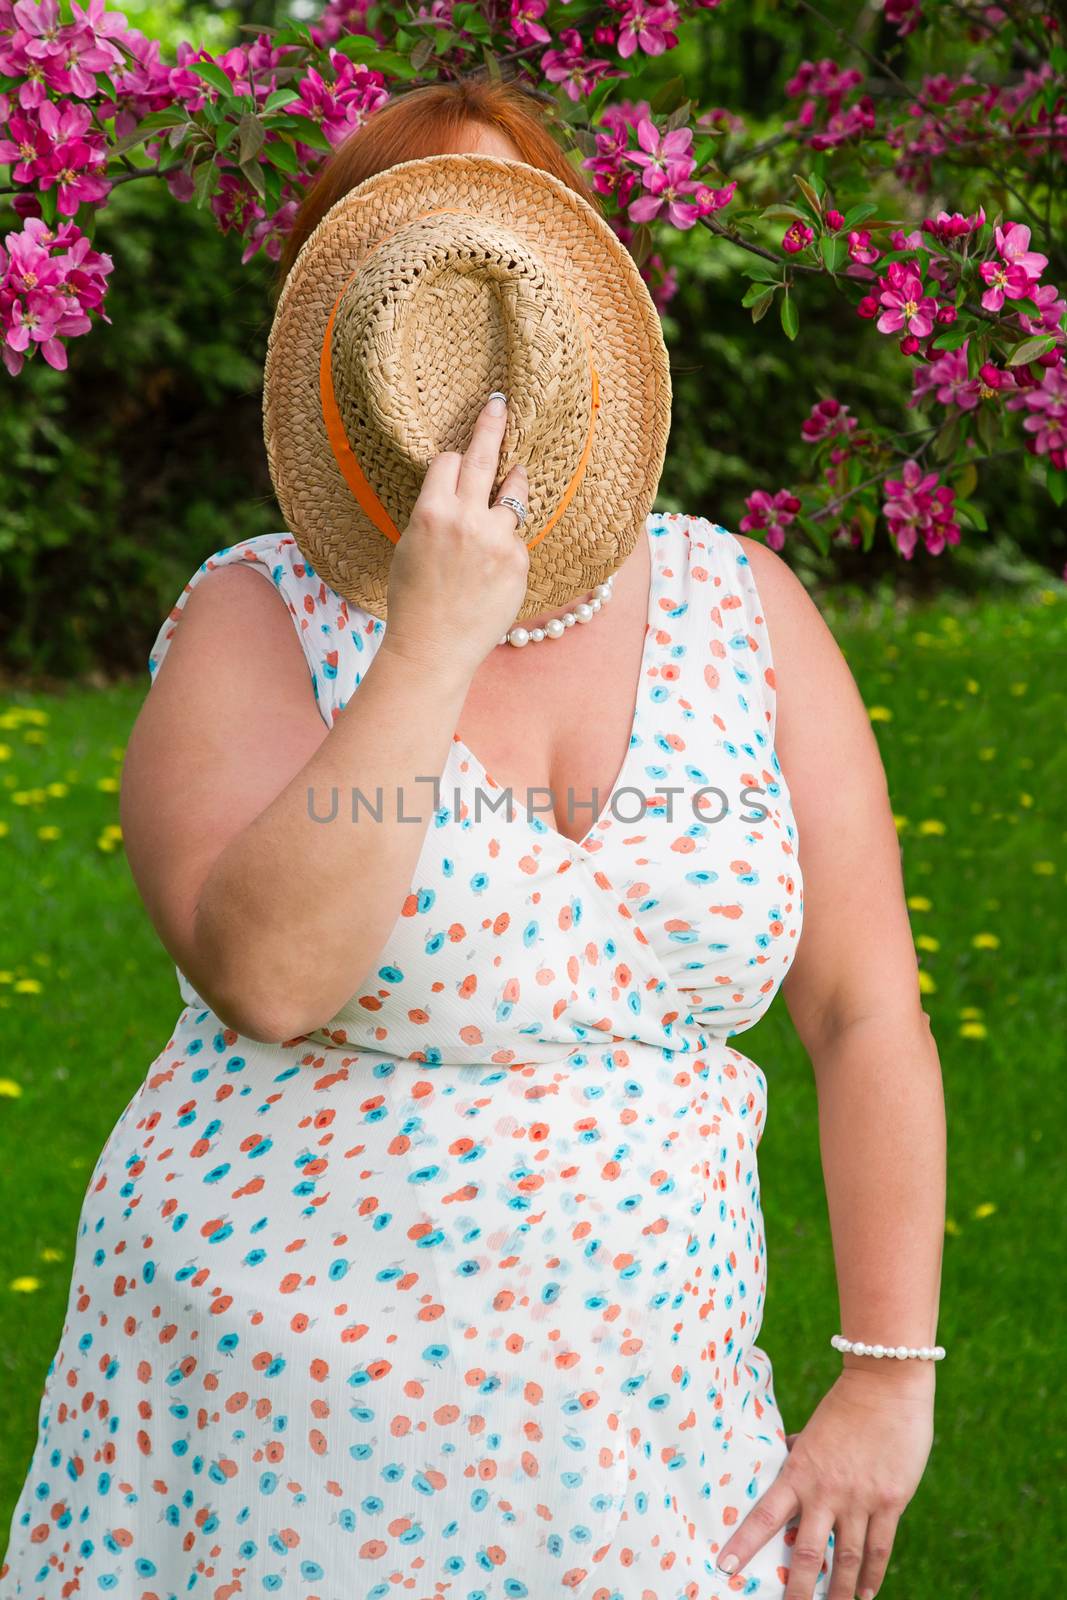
[{"x": 419, "y": 292}]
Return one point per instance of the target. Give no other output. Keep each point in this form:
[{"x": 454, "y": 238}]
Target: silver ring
[{"x": 516, "y": 505}]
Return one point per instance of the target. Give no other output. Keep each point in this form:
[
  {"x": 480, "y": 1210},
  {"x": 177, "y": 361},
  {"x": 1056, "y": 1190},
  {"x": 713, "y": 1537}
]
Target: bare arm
[
  {"x": 853, "y": 993},
  {"x": 275, "y": 917}
]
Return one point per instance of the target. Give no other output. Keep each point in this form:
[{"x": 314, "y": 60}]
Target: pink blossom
[
  {"x": 1046, "y": 422},
  {"x": 646, "y": 27},
  {"x": 26, "y": 150},
  {"x": 1013, "y": 242},
  {"x": 570, "y": 66},
  {"x": 907, "y": 306},
  {"x": 948, "y": 380},
  {"x": 1005, "y": 282},
  {"x": 834, "y": 220},
  {"x": 918, "y": 504},
  {"x": 797, "y": 237},
  {"x": 827, "y": 419},
  {"x": 770, "y": 513},
  {"x": 526, "y": 24}
]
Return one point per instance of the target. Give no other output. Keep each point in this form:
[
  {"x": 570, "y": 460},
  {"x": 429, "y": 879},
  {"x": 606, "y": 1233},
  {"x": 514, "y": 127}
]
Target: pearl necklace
[{"x": 556, "y": 627}]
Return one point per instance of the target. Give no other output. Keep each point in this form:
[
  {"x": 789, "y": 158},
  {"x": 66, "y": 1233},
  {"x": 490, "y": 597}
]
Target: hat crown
[{"x": 444, "y": 309}]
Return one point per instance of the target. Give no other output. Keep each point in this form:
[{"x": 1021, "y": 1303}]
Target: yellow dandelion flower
[
  {"x": 108, "y": 785},
  {"x": 105, "y": 844},
  {"x": 973, "y": 1030},
  {"x": 50, "y": 1253},
  {"x": 1045, "y": 868},
  {"x": 970, "y": 1011},
  {"x": 971, "y": 686},
  {"x": 986, "y": 1209},
  {"x": 9, "y": 1089},
  {"x": 49, "y": 831},
  {"x": 899, "y": 822},
  {"x": 5, "y": 752},
  {"x": 28, "y": 986},
  {"x": 952, "y": 1226},
  {"x": 58, "y": 790},
  {"x": 987, "y": 752},
  {"x": 38, "y": 718},
  {"x": 25, "y": 1285},
  {"x": 919, "y": 902},
  {"x": 879, "y": 713},
  {"x": 1026, "y": 799},
  {"x": 112, "y": 830},
  {"x": 931, "y": 825},
  {"x": 926, "y": 983},
  {"x": 926, "y": 941},
  {"x": 7, "y": 977},
  {"x": 5, "y": 829},
  {"x": 986, "y": 941}
]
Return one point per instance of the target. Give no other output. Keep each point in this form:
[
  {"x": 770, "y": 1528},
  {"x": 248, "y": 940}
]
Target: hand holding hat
[
  {"x": 459, "y": 573},
  {"x": 422, "y": 290}
]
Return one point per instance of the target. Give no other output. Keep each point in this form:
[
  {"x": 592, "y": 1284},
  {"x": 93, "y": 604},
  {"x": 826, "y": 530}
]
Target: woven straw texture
[{"x": 517, "y": 290}]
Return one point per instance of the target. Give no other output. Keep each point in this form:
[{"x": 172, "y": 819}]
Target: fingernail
[
  {"x": 727, "y": 1564},
  {"x": 866, "y": 1594},
  {"x": 498, "y": 403}
]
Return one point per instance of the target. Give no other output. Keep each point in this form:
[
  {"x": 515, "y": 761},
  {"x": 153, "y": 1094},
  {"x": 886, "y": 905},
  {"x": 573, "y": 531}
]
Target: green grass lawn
[{"x": 968, "y": 703}]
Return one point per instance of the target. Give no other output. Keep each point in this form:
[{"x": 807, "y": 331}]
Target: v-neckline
[{"x": 538, "y": 823}]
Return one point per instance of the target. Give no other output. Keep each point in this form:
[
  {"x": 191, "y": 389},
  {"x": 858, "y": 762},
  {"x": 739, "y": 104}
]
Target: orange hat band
[{"x": 343, "y": 453}]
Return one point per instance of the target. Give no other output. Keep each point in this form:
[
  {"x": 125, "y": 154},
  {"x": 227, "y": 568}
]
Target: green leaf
[
  {"x": 206, "y": 179},
  {"x": 857, "y": 214},
  {"x": 783, "y": 213},
  {"x": 668, "y": 96},
  {"x": 280, "y": 153},
  {"x": 833, "y": 250},
  {"x": 1030, "y": 349},
  {"x": 421, "y": 53},
  {"x": 1056, "y": 484},
  {"x": 357, "y": 46},
  {"x": 254, "y": 173},
  {"x": 972, "y": 514},
  {"x": 947, "y": 441},
  {"x": 213, "y": 75},
  {"x": 226, "y": 135},
  {"x": 976, "y": 355},
  {"x": 152, "y": 124},
  {"x": 272, "y": 186},
  {"x": 952, "y": 340},
  {"x": 306, "y": 130},
  {"x": 967, "y": 481},
  {"x": 641, "y": 243},
  {"x": 761, "y": 306},
  {"x": 252, "y": 136},
  {"x": 280, "y": 97},
  {"x": 790, "y": 316},
  {"x": 988, "y": 424},
  {"x": 817, "y": 531},
  {"x": 754, "y": 292},
  {"x": 598, "y": 99},
  {"x": 809, "y": 194},
  {"x": 763, "y": 271}
]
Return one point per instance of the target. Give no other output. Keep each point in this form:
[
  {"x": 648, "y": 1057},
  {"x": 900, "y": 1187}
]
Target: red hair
[{"x": 425, "y": 122}]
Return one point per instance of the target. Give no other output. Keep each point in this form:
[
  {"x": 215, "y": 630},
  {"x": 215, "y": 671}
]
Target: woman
[{"x": 383, "y": 1305}]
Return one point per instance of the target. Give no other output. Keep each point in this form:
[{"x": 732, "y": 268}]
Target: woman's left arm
[{"x": 853, "y": 993}]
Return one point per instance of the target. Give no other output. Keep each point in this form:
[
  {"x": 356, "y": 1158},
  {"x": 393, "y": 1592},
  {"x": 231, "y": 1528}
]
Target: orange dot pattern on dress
[{"x": 457, "y": 1297}]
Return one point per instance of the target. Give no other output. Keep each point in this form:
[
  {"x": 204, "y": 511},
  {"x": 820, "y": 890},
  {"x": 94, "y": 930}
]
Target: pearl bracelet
[{"x": 857, "y": 1347}]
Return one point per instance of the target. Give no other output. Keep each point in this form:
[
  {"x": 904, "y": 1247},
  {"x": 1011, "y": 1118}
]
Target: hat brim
[{"x": 608, "y": 511}]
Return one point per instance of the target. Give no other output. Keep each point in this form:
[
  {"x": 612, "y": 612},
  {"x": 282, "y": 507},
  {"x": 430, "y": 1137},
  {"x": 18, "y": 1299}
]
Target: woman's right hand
[{"x": 459, "y": 571}]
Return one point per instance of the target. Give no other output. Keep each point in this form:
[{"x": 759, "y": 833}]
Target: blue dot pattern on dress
[{"x": 457, "y": 1296}]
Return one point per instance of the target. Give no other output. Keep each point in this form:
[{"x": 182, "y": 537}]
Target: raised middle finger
[{"x": 481, "y": 460}]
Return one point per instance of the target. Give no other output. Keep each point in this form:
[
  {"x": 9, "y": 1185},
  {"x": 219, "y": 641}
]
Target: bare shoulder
[
  {"x": 794, "y": 621},
  {"x": 236, "y": 606}
]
